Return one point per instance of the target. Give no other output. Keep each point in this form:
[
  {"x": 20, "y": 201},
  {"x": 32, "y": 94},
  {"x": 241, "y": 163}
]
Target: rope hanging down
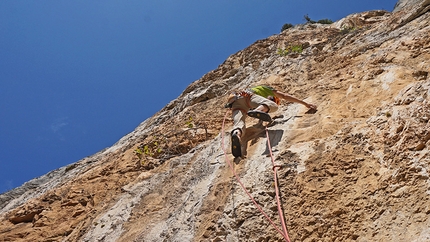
[
  {"x": 284, "y": 234},
  {"x": 275, "y": 177}
]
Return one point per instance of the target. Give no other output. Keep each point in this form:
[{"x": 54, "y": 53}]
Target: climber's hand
[{"x": 311, "y": 106}]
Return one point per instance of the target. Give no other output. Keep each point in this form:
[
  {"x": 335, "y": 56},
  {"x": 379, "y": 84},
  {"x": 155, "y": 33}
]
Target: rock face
[
  {"x": 356, "y": 170},
  {"x": 404, "y": 4}
]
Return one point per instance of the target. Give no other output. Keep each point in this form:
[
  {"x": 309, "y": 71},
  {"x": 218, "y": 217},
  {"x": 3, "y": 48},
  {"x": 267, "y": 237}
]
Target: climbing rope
[
  {"x": 275, "y": 177},
  {"x": 284, "y": 234}
]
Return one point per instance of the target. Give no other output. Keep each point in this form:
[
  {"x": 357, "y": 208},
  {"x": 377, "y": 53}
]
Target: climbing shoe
[
  {"x": 236, "y": 147},
  {"x": 260, "y": 115}
]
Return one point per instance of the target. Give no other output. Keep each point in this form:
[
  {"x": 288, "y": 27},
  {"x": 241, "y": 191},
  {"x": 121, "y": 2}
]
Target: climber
[{"x": 256, "y": 102}]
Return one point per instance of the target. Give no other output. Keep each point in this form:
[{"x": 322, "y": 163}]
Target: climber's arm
[{"x": 290, "y": 98}]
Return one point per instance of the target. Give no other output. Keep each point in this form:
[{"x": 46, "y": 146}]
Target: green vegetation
[
  {"x": 152, "y": 148},
  {"x": 324, "y": 21},
  {"x": 294, "y": 48},
  {"x": 177, "y": 139},
  {"x": 189, "y": 123},
  {"x": 321, "y": 21},
  {"x": 308, "y": 21},
  {"x": 348, "y": 29},
  {"x": 286, "y": 26},
  {"x": 138, "y": 152}
]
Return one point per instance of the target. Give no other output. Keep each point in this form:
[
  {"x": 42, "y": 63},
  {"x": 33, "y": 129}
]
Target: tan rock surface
[{"x": 356, "y": 170}]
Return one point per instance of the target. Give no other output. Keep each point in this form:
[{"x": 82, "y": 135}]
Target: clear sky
[{"x": 76, "y": 76}]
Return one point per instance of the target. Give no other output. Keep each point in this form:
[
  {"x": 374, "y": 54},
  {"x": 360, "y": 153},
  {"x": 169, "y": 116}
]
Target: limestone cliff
[{"x": 356, "y": 170}]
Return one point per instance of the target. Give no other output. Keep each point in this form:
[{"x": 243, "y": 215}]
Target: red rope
[
  {"x": 243, "y": 186},
  {"x": 278, "y": 200}
]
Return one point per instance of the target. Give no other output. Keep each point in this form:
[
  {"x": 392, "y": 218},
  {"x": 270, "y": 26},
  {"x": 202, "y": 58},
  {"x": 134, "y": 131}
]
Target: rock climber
[{"x": 256, "y": 102}]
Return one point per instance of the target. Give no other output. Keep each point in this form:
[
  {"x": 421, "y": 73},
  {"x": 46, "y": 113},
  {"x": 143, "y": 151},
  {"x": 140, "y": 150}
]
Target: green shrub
[
  {"x": 309, "y": 20},
  {"x": 177, "y": 139},
  {"x": 297, "y": 49},
  {"x": 282, "y": 52},
  {"x": 286, "y": 26},
  {"x": 325, "y": 21},
  {"x": 189, "y": 123},
  {"x": 348, "y": 29},
  {"x": 321, "y": 21},
  {"x": 294, "y": 48}
]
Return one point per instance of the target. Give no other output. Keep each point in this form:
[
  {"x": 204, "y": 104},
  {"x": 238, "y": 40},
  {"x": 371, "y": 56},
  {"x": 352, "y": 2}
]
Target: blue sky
[{"x": 76, "y": 76}]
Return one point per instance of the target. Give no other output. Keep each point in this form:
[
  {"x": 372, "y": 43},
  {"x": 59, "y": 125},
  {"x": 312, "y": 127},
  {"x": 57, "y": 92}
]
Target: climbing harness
[
  {"x": 283, "y": 232},
  {"x": 238, "y": 95}
]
